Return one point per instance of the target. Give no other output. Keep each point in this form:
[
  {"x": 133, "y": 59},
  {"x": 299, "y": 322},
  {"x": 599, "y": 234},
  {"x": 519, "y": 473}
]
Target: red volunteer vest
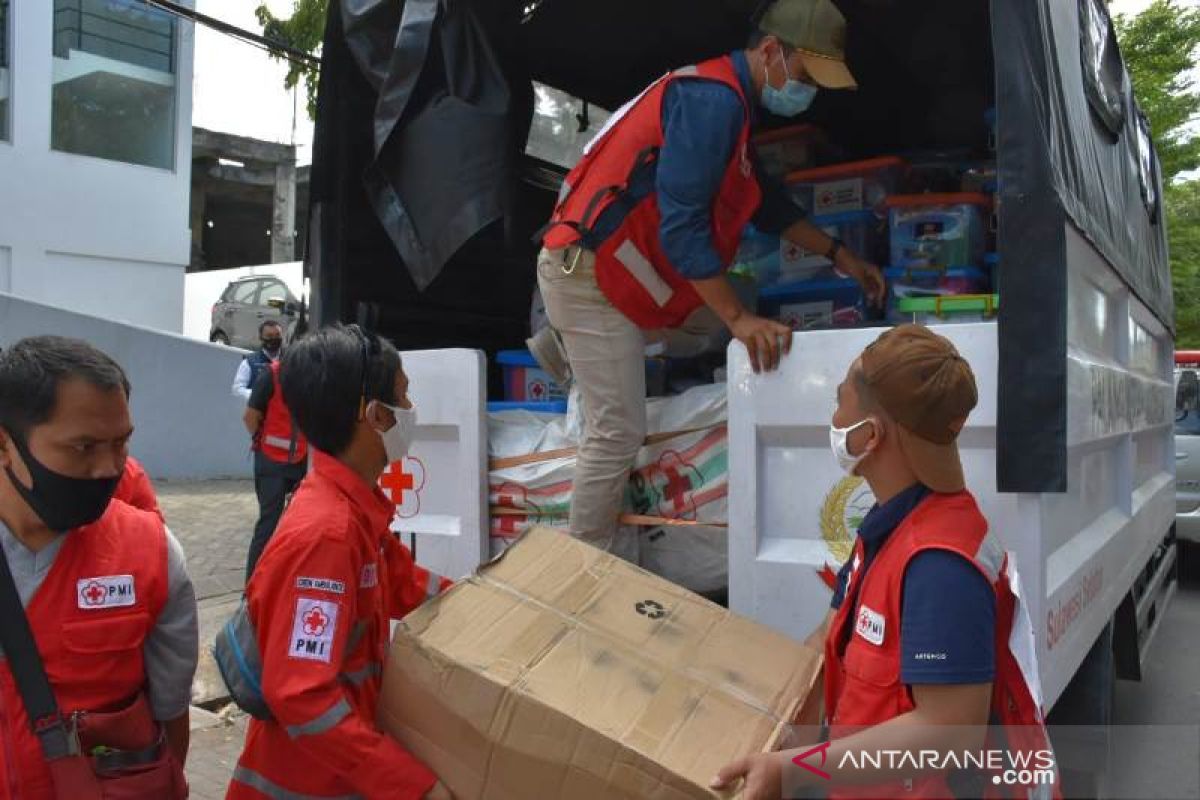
[
  {"x": 280, "y": 441},
  {"x": 90, "y": 618},
  {"x": 631, "y": 267},
  {"x": 863, "y": 687}
]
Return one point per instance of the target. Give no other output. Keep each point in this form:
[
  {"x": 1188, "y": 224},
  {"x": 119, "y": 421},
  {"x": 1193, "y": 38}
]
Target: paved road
[
  {"x": 213, "y": 520},
  {"x": 1161, "y": 757}
]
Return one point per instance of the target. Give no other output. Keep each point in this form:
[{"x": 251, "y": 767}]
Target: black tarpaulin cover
[
  {"x": 1072, "y": 146},
  {"x": 449, "y": 123}
]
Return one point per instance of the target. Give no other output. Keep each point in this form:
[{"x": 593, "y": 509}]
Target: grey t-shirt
[{"x": 172, "y": 648}]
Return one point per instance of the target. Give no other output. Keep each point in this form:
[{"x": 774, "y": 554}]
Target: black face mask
[
  {"x": 63, "y": 503},
  {"x": 272, "y": 346}
]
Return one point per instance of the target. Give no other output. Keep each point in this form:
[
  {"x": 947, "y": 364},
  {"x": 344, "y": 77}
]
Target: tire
[
  {"x": 219, "y": 337},
  {"x": 1189, "y": 562}
]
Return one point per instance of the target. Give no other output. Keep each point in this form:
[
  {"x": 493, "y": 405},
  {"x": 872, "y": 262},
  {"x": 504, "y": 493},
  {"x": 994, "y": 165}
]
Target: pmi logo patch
[{"x": 105, "y": 591}]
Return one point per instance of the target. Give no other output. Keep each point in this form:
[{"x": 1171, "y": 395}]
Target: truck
[{"x": 444, "y": 131}]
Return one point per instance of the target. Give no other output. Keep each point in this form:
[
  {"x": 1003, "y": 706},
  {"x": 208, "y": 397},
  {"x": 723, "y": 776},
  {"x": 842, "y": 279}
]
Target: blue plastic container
[
  {"x": 774, "y": 261},
  {"x": 909, "y": 283},
  {"x": 929, "y": 282},
  {"x": 805, "y": 305},
  {"x": 938, "y": 230},
  {"x": 549, "y": 407},
  {"x": 992, "y": 262},
  {"x": 524, "y": 380}
]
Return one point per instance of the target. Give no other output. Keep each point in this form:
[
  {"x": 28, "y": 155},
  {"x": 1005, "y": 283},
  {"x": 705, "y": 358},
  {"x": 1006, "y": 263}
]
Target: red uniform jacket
[
  {"x": 632, "y": 269},
  {"x": 863, "y": 686},
  {"x": 279, "y": 439},
  {"x": 90, "y": 618},
  {"x": 321, "y": 600},
  {"x": 135, "y": 488}
]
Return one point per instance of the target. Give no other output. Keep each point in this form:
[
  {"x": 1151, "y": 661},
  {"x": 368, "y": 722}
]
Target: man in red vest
[
  {"x": 105, "y": 592},
  {"x": 280, "y": 456},
  {"x": 318, "y": 606},
  {"x": 136, "y": 489},
  {"x": 923, "y": 647},
  {"x": 650, "y": 219}
]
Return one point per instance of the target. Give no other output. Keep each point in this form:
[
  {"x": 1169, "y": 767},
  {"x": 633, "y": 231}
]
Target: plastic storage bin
[
  {"x": 853, "y": 186},
  {"x": 774, "y": 260},
  {"x": 908, "y": 283},
  {"x": 937, "y": 230},
  {"x": 548, "y": 407},
  {"x": 932, "y": 282},
  {"x": 788, "y": 149},
  {"x": 948, "y": 308},
  {"x": 813, "y": 304},
  {"x": 524, "y": 380},
  {"x": 991, "y": 262}
]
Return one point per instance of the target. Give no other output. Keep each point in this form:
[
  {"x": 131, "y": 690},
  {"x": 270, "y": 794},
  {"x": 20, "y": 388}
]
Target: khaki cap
[
  {"x": 921, "y": 381},
  {"x": 818, "y": 31}
]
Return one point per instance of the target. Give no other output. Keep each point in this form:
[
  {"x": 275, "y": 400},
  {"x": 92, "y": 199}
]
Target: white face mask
[
  {"x": 838, "y": 438},
  {"x": 398, "y": 439}
]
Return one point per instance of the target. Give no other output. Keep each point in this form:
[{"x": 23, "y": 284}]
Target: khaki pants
[{"x": 607, "y": 356}]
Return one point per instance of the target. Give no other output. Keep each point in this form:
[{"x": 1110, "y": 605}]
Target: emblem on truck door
[{"x": 842, "y": 512}]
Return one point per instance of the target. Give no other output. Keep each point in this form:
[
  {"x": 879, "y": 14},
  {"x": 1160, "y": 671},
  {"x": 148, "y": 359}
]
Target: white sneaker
[{"x": 547, "y": 349}]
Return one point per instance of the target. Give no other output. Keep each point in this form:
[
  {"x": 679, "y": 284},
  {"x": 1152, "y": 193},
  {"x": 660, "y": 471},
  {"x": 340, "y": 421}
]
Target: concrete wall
[
  {"x": 188, "y": 425},
  {"x": 101, "y": 237}
]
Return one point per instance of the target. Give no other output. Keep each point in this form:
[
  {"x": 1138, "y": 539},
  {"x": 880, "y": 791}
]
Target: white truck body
[{"x": 792, "y": 511}]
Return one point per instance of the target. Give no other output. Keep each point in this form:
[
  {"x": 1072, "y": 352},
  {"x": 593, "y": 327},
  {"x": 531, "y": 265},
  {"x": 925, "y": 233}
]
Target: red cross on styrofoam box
[{"x": 403, "y": 482}]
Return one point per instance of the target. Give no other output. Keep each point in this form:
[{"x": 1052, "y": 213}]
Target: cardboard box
[{"x": 558, "y": 670}]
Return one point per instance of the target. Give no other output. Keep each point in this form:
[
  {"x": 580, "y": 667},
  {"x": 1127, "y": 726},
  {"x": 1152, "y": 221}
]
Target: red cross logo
[
  {"x": 537, "y": 390},
  {"x": 94, "y": 593},
  {"x": 682, "y": 479},
  {"x": 403, "y": 482},
  {"x": 512, "y": 495},
  {"x": 315, "y": 621}
]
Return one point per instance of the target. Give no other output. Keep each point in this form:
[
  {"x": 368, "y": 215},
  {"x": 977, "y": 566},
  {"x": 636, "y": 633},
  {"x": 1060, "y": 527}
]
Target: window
[
  {"x": 245, "y": 293},
  {"x": 114, "y": 89},
  {"x": 273, "y": 290},
  {"x": 1147, "y": 166},
  {"x": 1187, "y": 423},
  {"x": 555, "y": 134},
  {"x": 1187, "y": 403},
  {"x": 5, "y": 82},
  {"x": 1104, "y": 79}
]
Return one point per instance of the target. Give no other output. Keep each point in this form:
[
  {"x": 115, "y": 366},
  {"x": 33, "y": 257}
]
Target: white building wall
[{"x": 101, "y": 237}]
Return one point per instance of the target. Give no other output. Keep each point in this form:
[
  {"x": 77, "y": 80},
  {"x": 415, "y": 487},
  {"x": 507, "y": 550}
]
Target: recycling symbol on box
[{"x": 650, "y": 608}]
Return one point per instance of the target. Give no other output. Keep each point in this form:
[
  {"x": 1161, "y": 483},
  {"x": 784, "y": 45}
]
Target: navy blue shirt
[
  {"x": 940, "y": 642},
  {"x": 701, "y": 121}
]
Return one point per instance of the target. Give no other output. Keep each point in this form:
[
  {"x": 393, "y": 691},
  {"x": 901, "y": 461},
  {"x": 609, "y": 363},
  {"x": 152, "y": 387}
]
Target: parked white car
[{"x": 1187, "y": 445}]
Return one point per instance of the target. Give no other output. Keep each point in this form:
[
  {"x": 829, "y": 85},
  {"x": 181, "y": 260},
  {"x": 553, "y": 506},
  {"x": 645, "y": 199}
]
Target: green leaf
[{"x": 303, "y": 30}]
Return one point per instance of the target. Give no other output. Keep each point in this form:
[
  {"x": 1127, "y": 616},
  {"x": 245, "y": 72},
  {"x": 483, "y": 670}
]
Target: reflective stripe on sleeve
[{"x": 322, "y": 723}]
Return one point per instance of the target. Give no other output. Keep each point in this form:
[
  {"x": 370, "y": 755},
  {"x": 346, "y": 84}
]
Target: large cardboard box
[{"x": 558, "y": 670}]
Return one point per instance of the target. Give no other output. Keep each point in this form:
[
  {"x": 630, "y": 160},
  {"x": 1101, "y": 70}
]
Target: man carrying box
[
  {"x": 916, "y": 646},
  {"x": 314, "y": 626}
]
